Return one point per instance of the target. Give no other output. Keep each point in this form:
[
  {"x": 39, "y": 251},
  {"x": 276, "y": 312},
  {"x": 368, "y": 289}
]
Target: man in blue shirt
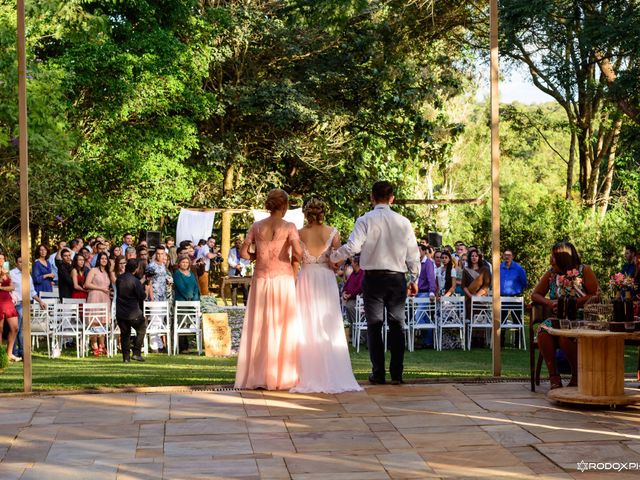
[
  {"x": 629, "y": 267},
  {"x": 513, "y": 280}
]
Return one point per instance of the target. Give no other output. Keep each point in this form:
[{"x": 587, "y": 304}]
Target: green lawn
[{"x": 68, "y": 372}]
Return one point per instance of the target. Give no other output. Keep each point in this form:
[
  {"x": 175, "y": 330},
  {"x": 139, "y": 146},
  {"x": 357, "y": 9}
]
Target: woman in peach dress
[{"x": 268, "y": 354}]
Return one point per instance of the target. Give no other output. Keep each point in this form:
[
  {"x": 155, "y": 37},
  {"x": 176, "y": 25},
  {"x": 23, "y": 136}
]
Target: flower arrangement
[
  {"x": 570, "y": 283},
  {"x": 620, "y": 282}
]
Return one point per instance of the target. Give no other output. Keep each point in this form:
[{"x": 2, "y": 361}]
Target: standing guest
[
  {"x": 98, "y": 283},
  {"x": 207, "y": 253},
  {"x": 74, "y": 246},
  {"x": 65, "y": 281},
  {"x": 156, "y": 272},
  {"x": 142, "y": 244},
  {"x": 448, "y": 248},
  {"x": 462, "y": 262},
  {"x": 437, "y": 258},
  {"x": 117, "y": 270},
  {"x": 79, "y": 274},
  {"x": 127, "y": 242},
  {"x": 184, "y": 281},
  {"x": 99, "y": 248},
  {"x": 630, "y": 259},
  {"x": 42, "y": 274},
  {"x": 388, "y": 249},
  {"x": 427, "y": 279},
  {"x": 131, "y": 253},
  {"x": 86, "y": 253},
  {"x": 130, "y": 300},
  {"x": 564, "y": 257},
  {"x": 446, "y": 276},
  {"x": 115, "y": 253},
  {"x": 268, "y": 356},
  {"x": 237, "y": 268},
  {"x": 424, "y": 241},
  {"x": 8, "y": 310},
  {"x": 353, "y": 288},
  {"x": 52, "y": 259},
  {"x": 172, "y": 251},
  {"x": 461, "y": 249},
  {"x": 16, "y": 278},
  {"x": 513, "y": 281},
  {"x": 143, "y": 254}
]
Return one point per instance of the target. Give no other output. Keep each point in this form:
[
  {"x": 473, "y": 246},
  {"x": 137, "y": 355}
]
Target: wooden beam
[
  {"x": 24, "y": 197},
  {"x": 495, "y": 188},
  {"x": 442, "y": 201},
  {"x": 226, "y": 240}
]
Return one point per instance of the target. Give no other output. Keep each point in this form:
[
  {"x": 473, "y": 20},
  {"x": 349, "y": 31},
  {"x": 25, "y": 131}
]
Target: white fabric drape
[
  {"x": 294, "y": 216},
  {"x": 194, "y": 225}
]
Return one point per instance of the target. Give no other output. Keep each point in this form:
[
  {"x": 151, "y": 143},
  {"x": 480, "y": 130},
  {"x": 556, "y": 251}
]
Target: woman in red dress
[
  {"x": 79, "y": 275},
  {"x": 8, "y": 309}
]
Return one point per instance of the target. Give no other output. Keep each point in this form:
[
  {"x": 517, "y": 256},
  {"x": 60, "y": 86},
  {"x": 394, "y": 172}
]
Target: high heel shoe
[
  {"x": 96, "y": 351},
  {"x": 102, "y": 349},
  {"x": 555, "y": 382}
]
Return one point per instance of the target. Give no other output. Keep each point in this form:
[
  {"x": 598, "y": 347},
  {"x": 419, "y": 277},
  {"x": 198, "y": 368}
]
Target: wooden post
[
  {"x": 24, "y": 197},
  {"x": 226, "y": 239},
  {"x": 495, "y": 188}
]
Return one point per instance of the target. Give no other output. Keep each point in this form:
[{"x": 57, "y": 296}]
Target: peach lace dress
[{"x": 268, "y": 353}]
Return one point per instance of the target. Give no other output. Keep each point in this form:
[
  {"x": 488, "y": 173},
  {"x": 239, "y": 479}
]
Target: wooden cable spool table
[
  {"x": 228, "y": 281},
  {"x": 600, "y": 368}
]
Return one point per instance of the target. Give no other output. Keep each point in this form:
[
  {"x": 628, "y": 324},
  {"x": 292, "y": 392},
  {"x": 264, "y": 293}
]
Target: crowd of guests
[{"x": 90, "y": 271}]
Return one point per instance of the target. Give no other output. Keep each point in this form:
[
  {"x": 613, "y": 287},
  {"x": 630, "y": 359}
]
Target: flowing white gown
[{"x": 324, "y": 365}]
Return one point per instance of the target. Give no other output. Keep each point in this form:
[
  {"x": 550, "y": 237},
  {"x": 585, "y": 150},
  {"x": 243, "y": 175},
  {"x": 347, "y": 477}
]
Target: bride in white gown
[{"x": 324, "y": 364}]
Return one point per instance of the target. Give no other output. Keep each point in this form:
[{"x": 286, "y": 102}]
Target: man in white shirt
[
  {"x": 237, "y": 268},
  {"x": 206, "y": 254},
  {"x": 16, "y": 278},
  {"x": 388, "y": 251}
]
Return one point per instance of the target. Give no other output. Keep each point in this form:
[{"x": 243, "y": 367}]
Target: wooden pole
[
  {"x": 24, "y": 197},
  {"x": 226, "y": 240},
  {"x": 495, "y": 188},
  {"x": 441, "y": 201}
]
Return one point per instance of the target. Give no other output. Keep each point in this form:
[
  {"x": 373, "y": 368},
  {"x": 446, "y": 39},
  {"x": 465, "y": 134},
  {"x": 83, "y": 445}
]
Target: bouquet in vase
[
  {"x": 570, "y": 283},
  {"x": 619, "y": 282}
]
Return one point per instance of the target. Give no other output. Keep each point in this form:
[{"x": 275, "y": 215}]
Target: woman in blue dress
[{"x": 42, "y": 274}]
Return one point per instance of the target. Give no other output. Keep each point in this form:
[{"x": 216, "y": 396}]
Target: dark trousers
[
  {"x": 140, "y": 326},
  {"x": 382, "y": 290}
]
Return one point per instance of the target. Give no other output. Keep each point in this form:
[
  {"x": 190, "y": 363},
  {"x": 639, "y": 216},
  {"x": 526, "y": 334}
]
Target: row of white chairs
[
  {"x": 74, "y": 318},
  {"x": 449, "y": 313}
]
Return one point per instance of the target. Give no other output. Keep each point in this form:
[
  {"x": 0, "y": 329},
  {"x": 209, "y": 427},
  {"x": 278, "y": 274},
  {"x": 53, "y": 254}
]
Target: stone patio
[{"x": 498, "y": 430}]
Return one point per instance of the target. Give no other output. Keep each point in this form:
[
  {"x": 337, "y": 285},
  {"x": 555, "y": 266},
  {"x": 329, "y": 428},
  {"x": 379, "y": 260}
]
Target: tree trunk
[
  {"x": 605, "y": 190},
  {"x": 570, "y": 165},
  {"x": 227, "y": 186}
]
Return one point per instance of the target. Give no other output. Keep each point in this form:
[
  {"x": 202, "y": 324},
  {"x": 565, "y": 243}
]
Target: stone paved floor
[{"x": 386, "y": 432}]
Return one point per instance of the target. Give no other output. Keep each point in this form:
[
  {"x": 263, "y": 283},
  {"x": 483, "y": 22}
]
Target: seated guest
[
  {"x": 79, "y": 275},
  {"x": 476, "y": 278},
  {"x": 437, "y": 258},
  {"x": 513, "y": 281},
  {"x": 446, "y": 276},
  {"x": 564, "y": 258},
  {"x": 352, "y": 288},
  {"x": 185, "y": 284},
  {"x": 42, "y": 273},
  {"x": 129, "y": 302},
  {"x": 65, "y": 281},
  {"x": 237, "y": 268},
  {"x": 427, "y": 279}
]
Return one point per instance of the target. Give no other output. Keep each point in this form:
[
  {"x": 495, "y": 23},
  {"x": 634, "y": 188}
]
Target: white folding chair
[
  {"x": 44, "y": 295},
  {"x": 451, "y": 316},
  {"x": 360, "y": 324},
  {"x": 74, "y": 301},
  {"x": 40, "y": 326},
  {"x": 67, "y": 324},
  {"x": 157, "y": 315},
  {"x": 422, "y": 316},
  {"x": 481, "y": 316},
  {"x": 186, "y": 321},
  {"x": 95, "y": 321},
  {"x": 512, "y": 317}
]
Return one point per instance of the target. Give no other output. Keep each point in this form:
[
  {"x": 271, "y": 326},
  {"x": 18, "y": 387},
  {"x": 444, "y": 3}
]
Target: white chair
[
  {"x": 451, "y": 316},
  {"x": 40, "y": 326},
  {"x": 360, "y": 324},
  {"x": 74, "y": 301},
  {"x": 512, "y": 317},
  {"x": 95, "y": 321},
  {"x": 157, "y": 315},
  {"x": 67, "y": 324},
  {"x": 44, "y": 295},
  {"x": 405, "y": 328},
  {"x": 422, "y": 316},
  {"x": 186, "y": 321},
  {"x": 481, "y": 316}
]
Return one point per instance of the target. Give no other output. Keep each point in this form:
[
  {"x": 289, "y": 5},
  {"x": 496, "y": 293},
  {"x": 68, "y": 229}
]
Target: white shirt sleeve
[
  {"x": 232, "y": 259},
  {"x": 413, "y": 255},
  {"x": 354, "y": 244}
]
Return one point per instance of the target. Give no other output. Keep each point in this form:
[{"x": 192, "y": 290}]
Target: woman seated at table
[{"x": 564, "y": 258}]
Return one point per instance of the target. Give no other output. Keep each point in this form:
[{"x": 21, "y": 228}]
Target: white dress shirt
[
  {"x": 16, "y": 278},
  {"x": 234, "y": 260},
  {"x": 385, "y": 241}
]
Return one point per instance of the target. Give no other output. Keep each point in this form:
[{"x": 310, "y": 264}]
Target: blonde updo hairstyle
[
  {"x": 314, "y": 210},
  {"x": 277, "y": 200}
]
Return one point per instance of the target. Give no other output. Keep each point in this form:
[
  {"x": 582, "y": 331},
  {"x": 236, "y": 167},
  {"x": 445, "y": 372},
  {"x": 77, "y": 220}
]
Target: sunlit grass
[{"x": 70, "y": 373}]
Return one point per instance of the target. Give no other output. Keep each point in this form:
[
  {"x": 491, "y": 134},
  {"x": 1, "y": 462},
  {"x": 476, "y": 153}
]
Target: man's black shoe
[
  {"x": 138, "y": 358},
  {"x": 375, "y": 381},
  {"x": 397, "y": 382},
  {"x": 126, "y": 360}
]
